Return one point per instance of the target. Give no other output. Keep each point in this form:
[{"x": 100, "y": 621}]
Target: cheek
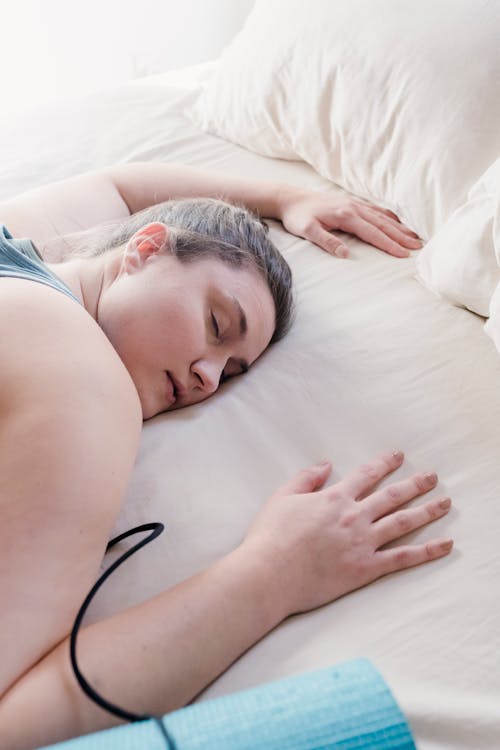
[
  {"x": 155, "y": 325},
  {"x": 183, "y": 331},
  {"x": 128, "y": 322}
]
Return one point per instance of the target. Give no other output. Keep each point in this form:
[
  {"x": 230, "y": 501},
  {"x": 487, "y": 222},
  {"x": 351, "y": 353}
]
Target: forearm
[
  {"x": 63, "y": 207},
  {"x": 143, "y": 184},
  {"x": 152, "y": 658},
  {"x": 80, "y": 202}
]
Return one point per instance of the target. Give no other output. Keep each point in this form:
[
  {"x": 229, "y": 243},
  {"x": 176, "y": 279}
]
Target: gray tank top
[{"x": 20, "y": 259}]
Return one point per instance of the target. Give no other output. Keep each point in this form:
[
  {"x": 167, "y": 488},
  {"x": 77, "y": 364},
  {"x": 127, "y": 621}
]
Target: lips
[
  {"x": 171, "y": 391},
  {"x": 179, "y": 389}
]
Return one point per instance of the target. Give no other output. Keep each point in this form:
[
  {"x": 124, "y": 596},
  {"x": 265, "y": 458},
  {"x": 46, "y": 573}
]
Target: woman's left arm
[{"x": 115, "y": 192}]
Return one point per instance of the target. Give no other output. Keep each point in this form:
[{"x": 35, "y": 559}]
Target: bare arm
[
  {"x": 69, "y": 426},
  {"x": 115, "y": 192},
  {"x": 308, "y": 546}
]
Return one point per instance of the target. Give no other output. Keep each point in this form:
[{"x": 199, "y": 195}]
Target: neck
[{"x": 88, "y": 277}]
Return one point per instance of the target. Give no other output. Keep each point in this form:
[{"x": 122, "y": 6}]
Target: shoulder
[{"x": 53, "y": 349}]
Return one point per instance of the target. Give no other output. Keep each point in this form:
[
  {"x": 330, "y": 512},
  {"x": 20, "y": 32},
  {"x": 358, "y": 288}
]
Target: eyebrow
[
  {"x": 243, "y": 329},
  {"x": 241, "y": 315}
]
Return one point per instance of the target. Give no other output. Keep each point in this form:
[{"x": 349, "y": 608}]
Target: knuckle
[
  {"x": 345, "y": 213},
  {"x": 349, "y": 519},
  {"x": 430, "y": 551},
  {"x": 401, "y": 557},
  {"x": 369, "y": 470},
  {"x": 403, "y": 522},
  {"x": 333, "y": 494},
  {"x": 309, "y": 226},
  {"x": 433, "y": 511},
  {"x": 420, "y": 483},
  {"x": 394, "y": 494}
]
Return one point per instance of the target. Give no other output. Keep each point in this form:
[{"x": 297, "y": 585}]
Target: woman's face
[{"x": 180, "y": 328}]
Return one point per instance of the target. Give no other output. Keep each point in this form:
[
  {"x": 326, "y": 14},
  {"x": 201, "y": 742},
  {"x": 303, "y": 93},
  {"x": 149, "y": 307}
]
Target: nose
[{"x": 207, "y": 374}]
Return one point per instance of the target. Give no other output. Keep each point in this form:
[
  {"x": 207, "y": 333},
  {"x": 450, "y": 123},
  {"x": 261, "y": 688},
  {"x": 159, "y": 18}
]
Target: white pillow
[
  {"x": 462, "y": 260},
  {"x": 398, "y": 102}
]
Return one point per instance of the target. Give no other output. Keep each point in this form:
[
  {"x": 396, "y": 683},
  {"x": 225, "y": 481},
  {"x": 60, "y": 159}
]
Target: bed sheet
[{"x": 374, "y": 362}]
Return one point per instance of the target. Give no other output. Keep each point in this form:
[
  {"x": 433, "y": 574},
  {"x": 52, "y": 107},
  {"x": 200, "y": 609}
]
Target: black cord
[{"x": 156, "y": 529}]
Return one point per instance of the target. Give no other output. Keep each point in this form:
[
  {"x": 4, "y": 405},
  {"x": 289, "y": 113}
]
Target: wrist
[
  {"x": 259, "y": 574},
  {"x": 284, "y": 196}
]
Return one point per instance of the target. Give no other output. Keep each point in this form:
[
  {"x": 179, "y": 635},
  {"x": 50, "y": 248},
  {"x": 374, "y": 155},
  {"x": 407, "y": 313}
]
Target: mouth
[
  {"x": 175, "y": 389},
  {"x": 171, "y": 390}
]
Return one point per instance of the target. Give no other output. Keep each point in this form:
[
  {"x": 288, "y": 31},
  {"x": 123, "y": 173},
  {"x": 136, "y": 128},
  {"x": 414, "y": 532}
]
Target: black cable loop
[{"x": 157, "y": 529}]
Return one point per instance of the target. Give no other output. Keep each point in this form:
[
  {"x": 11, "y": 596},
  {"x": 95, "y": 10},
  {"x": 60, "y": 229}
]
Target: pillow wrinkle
[{"x": 397, "y": 103}]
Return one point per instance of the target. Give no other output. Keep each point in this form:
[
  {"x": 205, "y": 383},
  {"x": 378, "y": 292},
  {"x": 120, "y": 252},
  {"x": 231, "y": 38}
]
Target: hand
[
  {"x": 319, "y": 544},
  {"x": 313, "y": 215}
]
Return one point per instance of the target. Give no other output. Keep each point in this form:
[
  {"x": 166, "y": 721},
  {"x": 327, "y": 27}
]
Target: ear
[{"x": 150, "y": 240}]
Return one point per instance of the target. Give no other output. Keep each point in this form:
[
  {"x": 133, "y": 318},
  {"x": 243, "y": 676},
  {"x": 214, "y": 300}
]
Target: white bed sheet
[{"x": 373, "y": 362}]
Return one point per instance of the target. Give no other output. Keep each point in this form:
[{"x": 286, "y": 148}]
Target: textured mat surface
[{"x": 346, "y": 707}]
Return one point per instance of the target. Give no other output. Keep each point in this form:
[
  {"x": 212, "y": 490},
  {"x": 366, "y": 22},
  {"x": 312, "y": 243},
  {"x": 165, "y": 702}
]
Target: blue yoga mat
[{"x": 346, "y": 707}]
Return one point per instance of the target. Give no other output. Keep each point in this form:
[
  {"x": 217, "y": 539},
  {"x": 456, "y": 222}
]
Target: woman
[{"x": 101, "y": 343}]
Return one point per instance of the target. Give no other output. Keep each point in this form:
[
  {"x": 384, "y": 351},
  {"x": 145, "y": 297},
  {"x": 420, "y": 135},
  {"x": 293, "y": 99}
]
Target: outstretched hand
[
  {"x": 314, "y": 215},
  {"x": 319, "y": 544}
]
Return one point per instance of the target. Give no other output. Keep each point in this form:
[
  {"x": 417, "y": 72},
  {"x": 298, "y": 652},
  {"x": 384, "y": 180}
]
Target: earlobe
[{"x": 147, "y": 242}]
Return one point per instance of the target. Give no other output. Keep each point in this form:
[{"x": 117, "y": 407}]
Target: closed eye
[{"x": 215, "y": 326}]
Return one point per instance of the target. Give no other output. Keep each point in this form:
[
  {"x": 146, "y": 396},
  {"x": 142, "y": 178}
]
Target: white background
[{"x": 52, "y": 48}]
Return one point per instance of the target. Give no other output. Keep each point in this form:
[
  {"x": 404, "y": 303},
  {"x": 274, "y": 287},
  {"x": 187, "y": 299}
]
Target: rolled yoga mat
[{"x": 345, "y": 707}]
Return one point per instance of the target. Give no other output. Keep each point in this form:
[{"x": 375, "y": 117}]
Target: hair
[{"x": 203, "y": 228}]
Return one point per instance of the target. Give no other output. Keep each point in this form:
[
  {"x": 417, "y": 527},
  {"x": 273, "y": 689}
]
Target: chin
[
  {"x": 148, "y": 414},
  {"x": 150, "y": 406}
]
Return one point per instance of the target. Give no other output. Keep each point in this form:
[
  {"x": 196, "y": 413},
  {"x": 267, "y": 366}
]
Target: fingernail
[
  {"x": 431, "y": 478},
  {"x": 446, "y": 545},
  {"x": 405, "y": 254},
  {"x": 398, "y": 455},
  {"x": 323, "y": 462},
  {"x": 342, "y": 251},
  {"x": 445, "y": 503}
]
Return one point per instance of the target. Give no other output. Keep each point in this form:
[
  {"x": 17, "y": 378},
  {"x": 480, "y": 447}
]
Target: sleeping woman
[{"x": 154, "y": 310}]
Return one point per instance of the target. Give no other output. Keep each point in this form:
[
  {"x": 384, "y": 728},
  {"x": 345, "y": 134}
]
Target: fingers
[
  {"x": 377, "y": 227},
  {"x": 384, "y": 211},
  {"x": 366, "y": 231},
  {"x": 392, "y": 228},
  {"x": 395, "y": 495},
  {"x": 364, "y": 479},
  {"x": 393, "y": 217},
  {"x": 307, "y": 480},
  {"x": 404, "y": 521},
  {"x": 399, "y": 558},
  {"x": 325, "y": 240}
]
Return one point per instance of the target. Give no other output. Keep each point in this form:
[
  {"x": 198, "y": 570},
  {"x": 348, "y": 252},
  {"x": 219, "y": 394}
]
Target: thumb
[
  {"x": 326, "y": 240},
  {"x": 307, "y": 480}
]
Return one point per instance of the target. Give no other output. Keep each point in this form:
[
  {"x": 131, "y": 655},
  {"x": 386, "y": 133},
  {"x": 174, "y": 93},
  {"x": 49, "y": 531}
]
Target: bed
[{"x": 377, "y": 359}]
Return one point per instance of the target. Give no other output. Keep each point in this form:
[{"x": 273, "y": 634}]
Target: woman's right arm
[
  {"x": 77, "y": 203},
  {"x": 70, "y": 422}
]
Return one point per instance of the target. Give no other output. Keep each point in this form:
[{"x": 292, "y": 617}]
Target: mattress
[{"x": 374, "y": 362}]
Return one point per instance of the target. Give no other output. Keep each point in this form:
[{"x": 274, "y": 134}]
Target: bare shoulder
[
  {"x": 70, "y": 422},
  {"x": 51, "y": 343}
]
